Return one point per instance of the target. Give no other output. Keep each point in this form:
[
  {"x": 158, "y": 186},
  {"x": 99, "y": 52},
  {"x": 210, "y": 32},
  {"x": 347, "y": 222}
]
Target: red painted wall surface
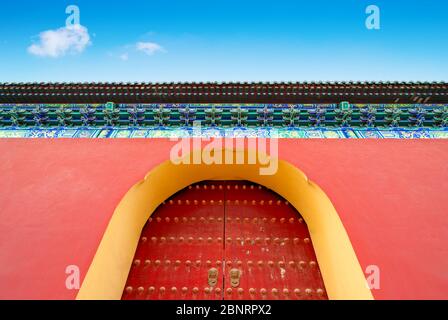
[{"x": 57, "y": 196}]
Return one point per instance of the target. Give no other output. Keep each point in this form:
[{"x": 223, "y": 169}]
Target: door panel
[
  {"x": 268, "y": 242},
  {"x": 225, "y": 240},
  {"x": 180, "y": 243}
]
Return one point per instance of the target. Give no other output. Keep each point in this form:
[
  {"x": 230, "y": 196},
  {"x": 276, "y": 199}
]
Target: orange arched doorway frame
[{"x": 341, "y": 271}]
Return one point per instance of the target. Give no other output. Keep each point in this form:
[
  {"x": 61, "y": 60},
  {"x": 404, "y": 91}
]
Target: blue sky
[{"x": 232, "y": 40}]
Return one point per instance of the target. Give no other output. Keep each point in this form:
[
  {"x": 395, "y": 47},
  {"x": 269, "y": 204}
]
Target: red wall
[{"x": 57, "y": 196}]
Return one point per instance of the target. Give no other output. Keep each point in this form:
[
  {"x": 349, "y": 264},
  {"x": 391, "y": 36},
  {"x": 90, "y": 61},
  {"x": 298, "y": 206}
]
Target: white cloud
[
  {"x": 124, "y": 57},
  {"x": 149, "y": 48},
  {"x": 56, "y": 43}
]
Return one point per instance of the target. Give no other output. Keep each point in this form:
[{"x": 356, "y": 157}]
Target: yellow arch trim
[{"x": 108, "y": 272}]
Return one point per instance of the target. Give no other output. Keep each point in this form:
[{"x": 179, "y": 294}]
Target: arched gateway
[{"x": 112, "y": 271}]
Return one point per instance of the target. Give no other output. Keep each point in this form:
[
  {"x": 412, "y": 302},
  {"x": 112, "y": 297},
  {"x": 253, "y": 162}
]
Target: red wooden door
[{"x": 225, "y": 240}]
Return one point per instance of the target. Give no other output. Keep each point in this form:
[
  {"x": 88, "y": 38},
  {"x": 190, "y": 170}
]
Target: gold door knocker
[
  {"x": 235, "y": 277},
  {"x": 212, "y": 277}
]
